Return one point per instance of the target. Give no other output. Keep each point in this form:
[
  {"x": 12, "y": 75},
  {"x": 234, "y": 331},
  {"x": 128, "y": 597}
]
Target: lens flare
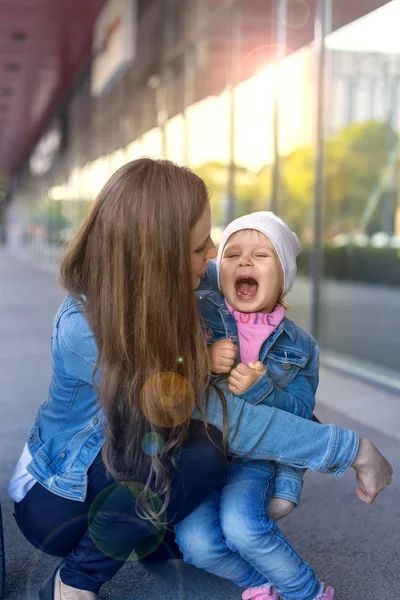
[
  {"x": 167, "y": 400},
  {"x": 115, "y": 526},
  {"x": 297, "y": 13},
  {"x": 153, "y": 443}
]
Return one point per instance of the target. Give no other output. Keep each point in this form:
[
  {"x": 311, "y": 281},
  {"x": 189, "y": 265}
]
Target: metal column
[
  {"x": 322, "y": 27},
  {"x": 188, "y": 99},
  {"x": 235, "y": 77},
  {"x": 280, "y": 15},
  {"x": 158, "y": 84},
  {"x": 162, "y": 110},
  {"x": 163, "y": 88}
]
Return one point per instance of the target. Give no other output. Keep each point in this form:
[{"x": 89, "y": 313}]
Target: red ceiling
[
  {"x": 42, "y": 45},
  {"x": 44, "y": 42}
]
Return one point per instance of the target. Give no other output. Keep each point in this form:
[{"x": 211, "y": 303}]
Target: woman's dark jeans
[{"x": 59, "y": 526}]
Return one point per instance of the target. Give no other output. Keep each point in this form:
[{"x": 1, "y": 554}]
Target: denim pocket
[{"x": 281, "y": 373}]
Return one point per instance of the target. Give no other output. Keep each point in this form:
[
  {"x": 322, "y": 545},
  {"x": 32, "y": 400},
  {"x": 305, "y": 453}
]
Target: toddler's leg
[
  {"x": 201, "y": 542},
  {"x": 250, "y": 532}
]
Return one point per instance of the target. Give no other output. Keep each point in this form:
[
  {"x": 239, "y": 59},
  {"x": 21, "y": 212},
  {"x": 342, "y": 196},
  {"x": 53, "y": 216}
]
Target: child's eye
[
  {"x": 231, "y": 255},
  {"x": 200, "y": 250},
  {"x": 262, "y": 255}
]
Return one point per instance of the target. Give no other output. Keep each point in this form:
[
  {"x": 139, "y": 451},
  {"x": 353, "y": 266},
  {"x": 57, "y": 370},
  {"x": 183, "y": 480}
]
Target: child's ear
[{"x": 212, "y": 253}]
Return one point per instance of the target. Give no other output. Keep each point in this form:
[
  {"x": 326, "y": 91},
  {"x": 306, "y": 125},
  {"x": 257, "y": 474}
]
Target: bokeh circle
[
  {"x": 298, "y": 13},
  {"x": 153, "y": 443},
  {"x": 118, "y": 505},
  {"x": 167, "y": 400}
]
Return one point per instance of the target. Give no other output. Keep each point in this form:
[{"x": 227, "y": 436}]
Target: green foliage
[
  {"x": 246, "y": 194},
  {"x": 57, "y": 216},
  {"x": 4, "y": 186},
  {"x": 354, "y": 161},
  {"x": 48, "y": 212},
  {"x": 355, "y": 158}
]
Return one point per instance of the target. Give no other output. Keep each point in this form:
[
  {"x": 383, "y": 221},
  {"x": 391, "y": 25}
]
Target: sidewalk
[{"x": 352, "y": 546}]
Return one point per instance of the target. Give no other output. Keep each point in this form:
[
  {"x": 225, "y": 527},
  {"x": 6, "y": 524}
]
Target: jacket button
[
  {"x": 287, "y": 366},
  {"x": 95, "y": 421},
  {"x": 62, "y": 455},
  {"x": 31, "y": 437},
  {"x": 335, "y": 467}
]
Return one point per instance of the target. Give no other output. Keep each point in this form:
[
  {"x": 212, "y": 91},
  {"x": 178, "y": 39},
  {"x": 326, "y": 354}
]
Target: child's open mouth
[{"x": 246, "y": 288}]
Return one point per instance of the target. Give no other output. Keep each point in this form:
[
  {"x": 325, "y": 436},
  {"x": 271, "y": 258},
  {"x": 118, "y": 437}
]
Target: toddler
[{"x": 234, "y": 534}]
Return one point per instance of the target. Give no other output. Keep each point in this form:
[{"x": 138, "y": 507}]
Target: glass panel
[
  {"x": 297, "y": 116},
  {"x": 361, "y": 295},
  {"x": 208, "y": 117}
]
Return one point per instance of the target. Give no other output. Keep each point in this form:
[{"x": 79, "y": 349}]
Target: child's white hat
[{"x": 285, "y": 241}]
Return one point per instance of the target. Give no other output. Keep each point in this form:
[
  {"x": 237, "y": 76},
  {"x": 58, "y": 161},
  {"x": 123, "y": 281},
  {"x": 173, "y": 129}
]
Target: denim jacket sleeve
[
  {"x": 210, "y": 279},
  {"x": 261, "y": 432},
  {"x": 288, "y": 483},
  {"x": 77, "y": 345},
  {"x": 297, "y": 398}
]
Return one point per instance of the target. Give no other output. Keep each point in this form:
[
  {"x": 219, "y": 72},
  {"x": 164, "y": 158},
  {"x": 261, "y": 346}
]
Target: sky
[{"x": 376, "y": 32}]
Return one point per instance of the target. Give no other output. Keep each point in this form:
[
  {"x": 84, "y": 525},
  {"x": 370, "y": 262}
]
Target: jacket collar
[
  {"x": 287, "y": 325},
  {"x": 290, "y": 328}
]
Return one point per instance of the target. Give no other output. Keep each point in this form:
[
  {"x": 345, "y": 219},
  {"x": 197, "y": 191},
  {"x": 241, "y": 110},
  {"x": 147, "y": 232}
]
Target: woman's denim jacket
[
  {"x": 291, "y": 358},
  {"x": 68, "y": 430}
]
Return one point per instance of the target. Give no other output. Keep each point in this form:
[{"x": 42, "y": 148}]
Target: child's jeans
[{"x": 231, "y": 535}]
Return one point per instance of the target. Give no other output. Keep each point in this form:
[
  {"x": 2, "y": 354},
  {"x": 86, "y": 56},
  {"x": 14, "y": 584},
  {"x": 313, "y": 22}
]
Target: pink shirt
[{"x": 254, "y": 329}]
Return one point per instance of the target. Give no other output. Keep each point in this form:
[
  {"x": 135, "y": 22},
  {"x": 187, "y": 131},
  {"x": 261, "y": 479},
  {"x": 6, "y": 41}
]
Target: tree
[
  {"x": 354, "y": 161},
  {"x": 49, "y": 214},
  {"x": 216, "y": 175}
]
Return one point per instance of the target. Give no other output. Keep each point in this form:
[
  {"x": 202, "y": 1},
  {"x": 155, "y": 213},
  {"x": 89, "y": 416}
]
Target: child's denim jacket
[{"x": 291, "y": 358}]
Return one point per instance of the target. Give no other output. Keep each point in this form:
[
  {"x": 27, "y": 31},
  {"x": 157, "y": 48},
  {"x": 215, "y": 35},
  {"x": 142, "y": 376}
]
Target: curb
[{"x": 346, "y": 365}]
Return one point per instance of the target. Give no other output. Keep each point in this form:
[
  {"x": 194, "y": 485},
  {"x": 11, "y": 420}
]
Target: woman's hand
[{"x": 373, "y": 471}]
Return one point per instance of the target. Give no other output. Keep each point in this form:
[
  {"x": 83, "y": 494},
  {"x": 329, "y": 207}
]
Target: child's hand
[
  {"x": 222, "y": 355},
  {"x": 242, "y": 377},
  {"x": 279, "y": 508}
]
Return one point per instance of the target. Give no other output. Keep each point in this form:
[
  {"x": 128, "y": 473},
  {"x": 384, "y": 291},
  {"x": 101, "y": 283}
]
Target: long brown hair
[{"x": 130, "y": 261}]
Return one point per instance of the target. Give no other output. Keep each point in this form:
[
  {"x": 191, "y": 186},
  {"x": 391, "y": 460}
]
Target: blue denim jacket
[
  {"x": 67, "y": 433},
  {"x": 291, "y": 357}
]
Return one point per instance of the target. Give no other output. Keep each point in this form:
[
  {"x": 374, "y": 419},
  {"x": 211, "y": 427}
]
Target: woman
[{"x": 121, "y": 448}]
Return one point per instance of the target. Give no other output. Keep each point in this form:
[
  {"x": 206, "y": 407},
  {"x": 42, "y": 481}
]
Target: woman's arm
[
  {"x": 75, "y": 345},
  {"x": 263, "y": 432}
]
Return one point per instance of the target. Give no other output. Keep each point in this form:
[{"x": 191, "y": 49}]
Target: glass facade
[
  {"x": 361, "y": 292},
  {"x": 216, "y": 106}
]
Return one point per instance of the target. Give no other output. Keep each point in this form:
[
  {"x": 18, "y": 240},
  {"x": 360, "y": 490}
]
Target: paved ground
[{"x": 353, "y": 546}]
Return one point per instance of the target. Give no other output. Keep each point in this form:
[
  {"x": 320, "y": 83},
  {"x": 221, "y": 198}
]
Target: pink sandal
[
  {"x": 265, "y": 592},
  {"x": 328, "y": 594}
]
